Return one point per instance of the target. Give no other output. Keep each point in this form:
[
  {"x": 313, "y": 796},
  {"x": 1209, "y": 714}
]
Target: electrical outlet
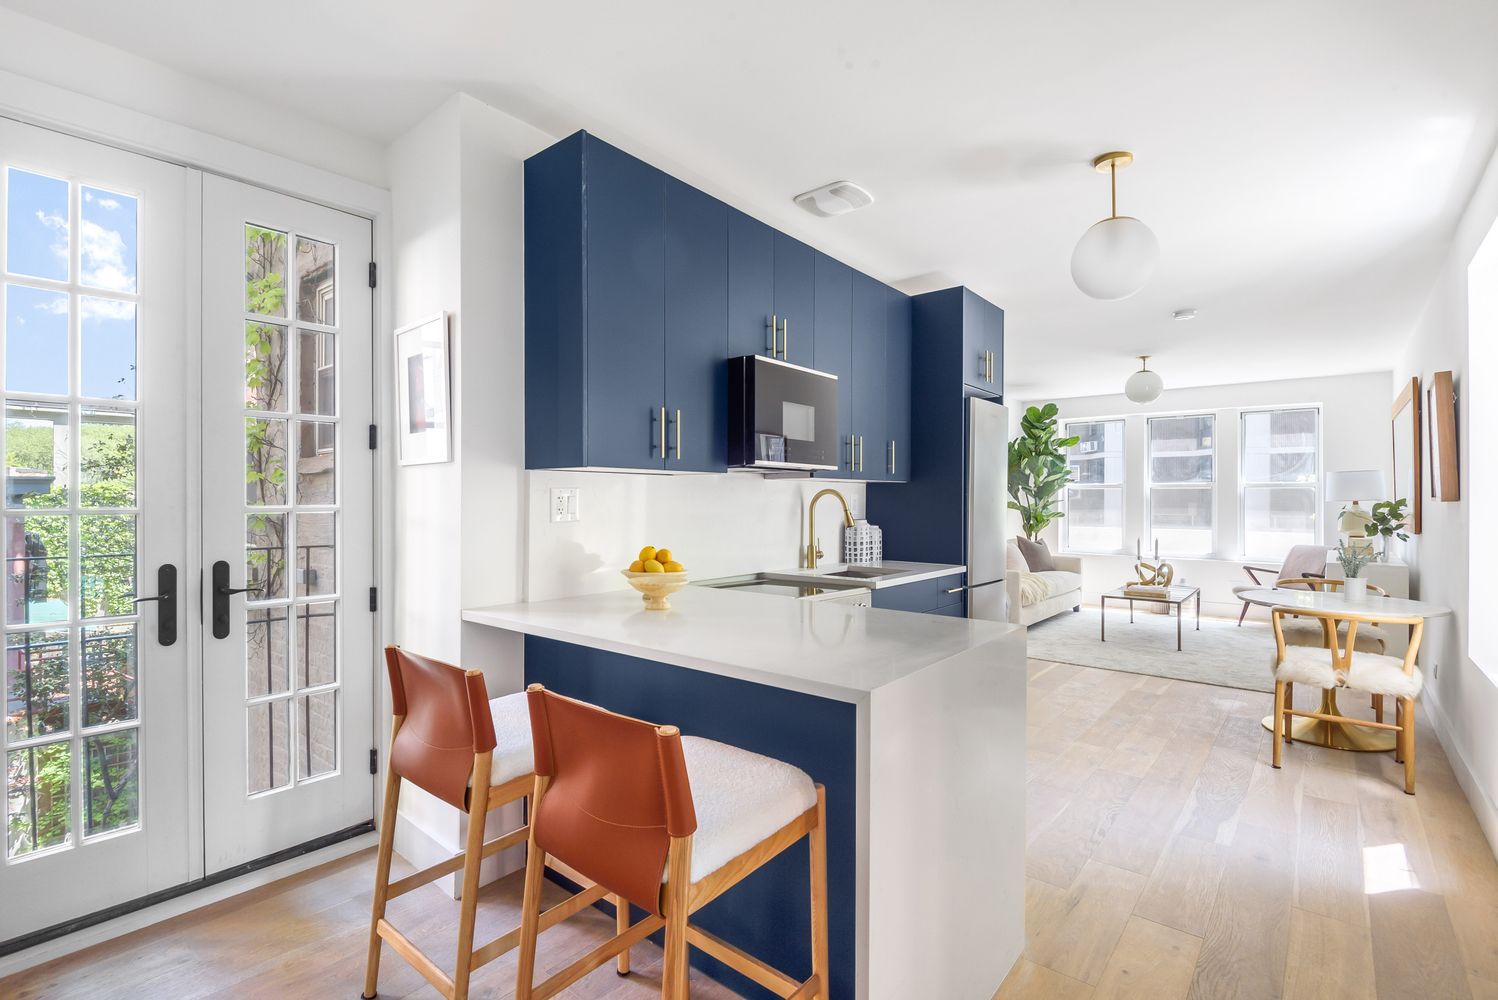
[{"x": 564, "y": 506}]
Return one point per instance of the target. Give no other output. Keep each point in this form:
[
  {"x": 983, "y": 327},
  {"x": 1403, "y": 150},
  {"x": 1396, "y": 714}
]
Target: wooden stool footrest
[
  {"x": 573, "y": 904},
  {"x": 747, "y": 965},
  {"x": 412, "y": 954},
  {"x": 454, "y": 863},
  {"x": 597, "y": 957}
]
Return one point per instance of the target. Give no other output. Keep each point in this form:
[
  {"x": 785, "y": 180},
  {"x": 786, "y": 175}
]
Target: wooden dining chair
[
  {"x": 669, "y": 823},
  {"x": 1340, "y": 665},
  {"x": 450, "y": 739},
  {"x": 1371, "y": 638}
]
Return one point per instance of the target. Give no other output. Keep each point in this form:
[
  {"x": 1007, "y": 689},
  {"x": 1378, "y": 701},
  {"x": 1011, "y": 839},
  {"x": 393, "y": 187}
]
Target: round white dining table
[{"x": 1320, "y": 732}]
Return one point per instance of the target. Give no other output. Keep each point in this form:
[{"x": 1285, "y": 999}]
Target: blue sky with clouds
[{"x": 37, "y": 239}]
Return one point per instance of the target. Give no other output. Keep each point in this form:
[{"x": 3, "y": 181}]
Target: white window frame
[
  {"x": 1122, "y": 486},
  {"x": 1244, "y": 484},
  {"x": 1150, "y": 485}
]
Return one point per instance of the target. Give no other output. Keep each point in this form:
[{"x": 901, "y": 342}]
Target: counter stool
[
  {"x": 669, "y": 823},
  {"x": 473, "y": 753}
]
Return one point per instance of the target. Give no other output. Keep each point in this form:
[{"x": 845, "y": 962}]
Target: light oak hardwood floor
[{"x": 1166, "y": 860}]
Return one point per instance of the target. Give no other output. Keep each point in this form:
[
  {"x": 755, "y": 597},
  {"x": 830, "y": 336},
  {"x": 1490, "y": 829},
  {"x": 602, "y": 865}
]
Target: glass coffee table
[{"x": 1176, "y": 596}]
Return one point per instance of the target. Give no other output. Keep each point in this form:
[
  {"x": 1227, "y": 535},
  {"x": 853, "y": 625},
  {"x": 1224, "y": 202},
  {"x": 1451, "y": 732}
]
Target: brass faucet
[{"x": 813, "y": 550}]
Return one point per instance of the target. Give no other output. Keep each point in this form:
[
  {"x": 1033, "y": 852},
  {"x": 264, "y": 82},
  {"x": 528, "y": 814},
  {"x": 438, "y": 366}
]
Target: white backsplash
[{"x": 715, "y": 525}]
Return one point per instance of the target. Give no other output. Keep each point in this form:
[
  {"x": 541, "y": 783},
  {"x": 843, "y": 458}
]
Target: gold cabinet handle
[
  {"x": 785, "y": 339},
  {"x": 860, "y": 453},
  {"x": 983, "y": 364},
  {"x": 774, "y": 335},
  {"x": 892, "y": 456},
  {"x": 678, "y": 435},
  {"x": 663, "y": 432}
]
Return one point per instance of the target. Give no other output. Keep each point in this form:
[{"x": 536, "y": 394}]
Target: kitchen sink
[
  {"x": 776, "y": 586},
  {"x": 863, "y": 573}
]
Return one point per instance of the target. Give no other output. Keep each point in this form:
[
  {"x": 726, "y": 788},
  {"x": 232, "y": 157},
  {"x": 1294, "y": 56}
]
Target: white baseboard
[
  {"x": 198, "y": 899},
  {"x": 1477, "y": 796}
]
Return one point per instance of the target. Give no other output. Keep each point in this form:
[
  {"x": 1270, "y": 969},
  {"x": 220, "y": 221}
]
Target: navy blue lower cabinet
[
  {"x": 767, "y": 914},
  {"x": 921, "y": 596}
]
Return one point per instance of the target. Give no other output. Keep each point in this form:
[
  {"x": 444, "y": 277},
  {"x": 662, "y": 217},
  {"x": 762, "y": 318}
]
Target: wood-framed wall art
[
  {"x": 1407, "y": 451},
  {"x": 423, "y": 408},
  {"x": 1445, "y": 473}
]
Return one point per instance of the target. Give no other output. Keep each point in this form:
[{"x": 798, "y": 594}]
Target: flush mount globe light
[
  {"x": 1114, "y": 258},
  {"x": 1144, "y": 386}
]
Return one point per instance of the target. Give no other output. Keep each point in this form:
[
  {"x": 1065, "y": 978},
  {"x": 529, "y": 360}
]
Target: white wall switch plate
[{"x": 564, "y": 505}]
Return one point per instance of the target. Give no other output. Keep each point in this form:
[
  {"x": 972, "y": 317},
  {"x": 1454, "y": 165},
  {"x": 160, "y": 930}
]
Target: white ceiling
[{"x": 1303, "y": 164}]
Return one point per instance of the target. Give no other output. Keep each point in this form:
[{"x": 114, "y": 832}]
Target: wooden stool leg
[
  {"x": 382, "y": 878},
  {"x": 473, "y": 859},
  {"x": 1279, "y": 722},
  {"x": 678, "y": 882},
  {"x": 1282, "y": 725},
  {"x": 530, "y": 906},
  {"x": 1378, "y": 708},
  {"x": 1399, "y": 736},
  {"x": 621, "y": 924},
  {"x": 818, "y": 843},
  {"x": 1407, "y": 737}
]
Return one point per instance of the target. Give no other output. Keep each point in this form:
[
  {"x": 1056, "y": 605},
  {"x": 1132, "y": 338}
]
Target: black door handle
[
  {"x": 221, "y": 594},
  {"x": 166, "y": 604}
]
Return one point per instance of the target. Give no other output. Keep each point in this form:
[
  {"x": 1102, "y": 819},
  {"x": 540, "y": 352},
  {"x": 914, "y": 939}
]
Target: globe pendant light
[
  {"x": 1114, "y": 258},
  {"x": 1144, "y": 386}
]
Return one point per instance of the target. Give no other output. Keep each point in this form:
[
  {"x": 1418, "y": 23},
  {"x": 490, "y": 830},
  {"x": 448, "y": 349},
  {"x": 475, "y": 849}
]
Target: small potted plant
[
  {"x": 1389, "y": 518},
  {"x": 1353, "y": 559}
]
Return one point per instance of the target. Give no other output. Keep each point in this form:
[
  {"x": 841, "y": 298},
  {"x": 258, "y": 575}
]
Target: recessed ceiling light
[
  {"x": 1183, "y": 314},
  {"x": 837, "y": 198}
]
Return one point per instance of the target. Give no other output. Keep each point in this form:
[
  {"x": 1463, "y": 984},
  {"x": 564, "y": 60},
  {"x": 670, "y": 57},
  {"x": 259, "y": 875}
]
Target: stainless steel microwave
[{"x": 780, "y": 415}]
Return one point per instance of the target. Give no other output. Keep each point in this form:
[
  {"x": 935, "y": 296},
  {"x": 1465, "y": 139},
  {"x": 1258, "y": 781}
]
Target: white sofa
[{"x": 1034, "y": 597}]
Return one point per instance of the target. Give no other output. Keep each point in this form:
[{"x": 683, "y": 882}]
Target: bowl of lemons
[{"x": 656, "y": 575}]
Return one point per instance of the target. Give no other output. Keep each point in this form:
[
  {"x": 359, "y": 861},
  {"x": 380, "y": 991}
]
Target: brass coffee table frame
[{"x": 1178, "y": 596}]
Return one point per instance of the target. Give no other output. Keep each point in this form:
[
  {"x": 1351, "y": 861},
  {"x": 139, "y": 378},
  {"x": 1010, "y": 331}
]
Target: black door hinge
[
  {"x": 374, "y": 437},
  {"x": 374, "y": 761},
  {"x": 371, "y": 274},
  {"x": 374, "y": 599}
]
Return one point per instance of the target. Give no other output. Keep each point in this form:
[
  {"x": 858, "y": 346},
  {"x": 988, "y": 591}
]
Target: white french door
[
  {"x": 97, "y": 741},
  {"x": 289, "y": 664}
]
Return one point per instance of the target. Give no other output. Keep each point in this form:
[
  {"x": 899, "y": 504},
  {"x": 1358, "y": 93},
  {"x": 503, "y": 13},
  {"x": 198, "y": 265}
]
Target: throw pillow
[
  {"x": 1014, "y": 560},
  {"x": 1037, "y": 556}
]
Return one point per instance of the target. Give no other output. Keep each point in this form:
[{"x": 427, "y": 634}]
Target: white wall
[
  {"x": 715, "y": 526},
  {"x": 457, "y": 238},
  {"x": 1354, "y": 434},
  {"x": 1460, "y": 696}
]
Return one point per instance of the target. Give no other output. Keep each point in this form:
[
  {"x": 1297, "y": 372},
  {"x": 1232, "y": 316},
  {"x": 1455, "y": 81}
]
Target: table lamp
[{"x": 1360, "y": 484}]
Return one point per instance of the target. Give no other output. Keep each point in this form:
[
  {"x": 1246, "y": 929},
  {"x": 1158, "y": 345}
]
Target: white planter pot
[{"x": 1356, "y": 590}]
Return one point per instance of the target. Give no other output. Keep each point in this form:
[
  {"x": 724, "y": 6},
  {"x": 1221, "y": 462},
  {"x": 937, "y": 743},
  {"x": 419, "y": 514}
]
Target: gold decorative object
[{"x": 1155, "y": 574}]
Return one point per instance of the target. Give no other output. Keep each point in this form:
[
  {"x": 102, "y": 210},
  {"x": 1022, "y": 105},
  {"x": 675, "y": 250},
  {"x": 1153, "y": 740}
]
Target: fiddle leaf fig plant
[
  {"x": 1037, "y": 469},
  {"x": 1389, "y": 518}
]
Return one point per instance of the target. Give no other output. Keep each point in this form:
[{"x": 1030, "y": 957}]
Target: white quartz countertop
[
  {"x": 899, "y": 573},
  {"x": 832, "y": 650}
]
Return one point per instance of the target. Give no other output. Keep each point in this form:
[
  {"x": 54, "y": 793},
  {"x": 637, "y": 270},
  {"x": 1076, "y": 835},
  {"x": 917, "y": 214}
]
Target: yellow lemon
[
  {"x": 674, "y": 567},
  {"x": 637, "y": 567},
  {"x": 651, "y": 566},
  {"x": 647, "y": 553},
  {"x": 663, "y": 556}
]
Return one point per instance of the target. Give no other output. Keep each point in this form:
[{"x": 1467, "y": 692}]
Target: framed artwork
[
  {"x": 423, "y": 407},
  {"x": 1407, "y": 451},
  {"x": 1441, "y": 417}
]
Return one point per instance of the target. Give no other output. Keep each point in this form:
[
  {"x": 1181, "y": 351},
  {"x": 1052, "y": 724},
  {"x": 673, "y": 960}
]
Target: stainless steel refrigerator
[{"x": 987, "y": 508}]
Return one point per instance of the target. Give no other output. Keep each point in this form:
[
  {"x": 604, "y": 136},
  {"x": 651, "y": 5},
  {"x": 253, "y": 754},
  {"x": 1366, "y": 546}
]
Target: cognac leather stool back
[
  {"x": 446, "y": 724},
  {"x": 614, "y": 802}
]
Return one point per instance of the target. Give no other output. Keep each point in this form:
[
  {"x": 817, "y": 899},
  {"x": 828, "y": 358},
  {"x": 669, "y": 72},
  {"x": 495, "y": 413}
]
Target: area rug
[{"x": 1221, "y": 653}]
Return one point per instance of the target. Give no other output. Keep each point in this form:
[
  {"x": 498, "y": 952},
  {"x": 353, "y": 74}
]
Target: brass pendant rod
[{"x": 1113, "y": 186}]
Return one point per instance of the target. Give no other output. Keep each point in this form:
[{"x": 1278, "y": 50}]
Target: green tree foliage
[{"x": 1037, "y": 469}]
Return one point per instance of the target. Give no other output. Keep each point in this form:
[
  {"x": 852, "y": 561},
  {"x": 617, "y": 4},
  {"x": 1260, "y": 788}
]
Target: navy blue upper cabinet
[
  {"x": 897, "y": 349},
  {"x": 870, "y": 395},
  {"x": 982, "y": 342},
  {"x": 751, "y": 287},
  {"x": 795, "y": 284},
  {"x": 833, "y": 350},
  {"x": 696, "y": 345}
]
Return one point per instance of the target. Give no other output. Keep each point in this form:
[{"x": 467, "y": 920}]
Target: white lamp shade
[
  {"x": 1359, "y": 484},
  {"x": 1115, "y": 258},
  {"x": 1144, "y": 386}
]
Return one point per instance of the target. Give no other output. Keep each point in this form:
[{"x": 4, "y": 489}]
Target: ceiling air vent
[{"x": 837, "y": 198}]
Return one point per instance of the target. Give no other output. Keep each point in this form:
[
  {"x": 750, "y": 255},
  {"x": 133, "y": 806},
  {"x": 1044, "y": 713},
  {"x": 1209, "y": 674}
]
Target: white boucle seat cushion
[
  {"x": 740, "y": 799},
  {"x": 1037, "y": 587},
  {"x": 1374, "y": 674},
  {"x": 1304, "y": 665},
  {"x": 1308, "y": 632},
  {"x": 514, "y": 755}
]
